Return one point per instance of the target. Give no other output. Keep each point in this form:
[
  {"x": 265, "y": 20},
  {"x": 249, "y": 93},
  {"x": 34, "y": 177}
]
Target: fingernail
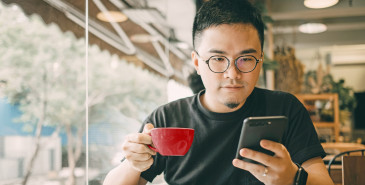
[
  {"x": 234, "y": 162},
  {"x": 243, "y": 151},
  {"x": 263, "y": 143}
]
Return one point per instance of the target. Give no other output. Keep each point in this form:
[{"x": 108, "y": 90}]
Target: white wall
[
  {"x": 17, "y": 148},
  {"x": 8, "y": 169},
  {"x": 354, "y": 75}
]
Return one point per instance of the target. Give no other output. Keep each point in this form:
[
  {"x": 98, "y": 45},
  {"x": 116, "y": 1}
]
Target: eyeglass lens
[{"x": 220, "y": 64}]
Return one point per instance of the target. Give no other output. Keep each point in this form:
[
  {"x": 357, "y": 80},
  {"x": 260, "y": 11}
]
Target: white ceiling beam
[
  {"x": 164, "y": 57},
  {"x": 130, "y": 49},
  {"x": 98, "y": 30}
]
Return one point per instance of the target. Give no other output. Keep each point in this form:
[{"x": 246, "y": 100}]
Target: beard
[
  {"x": 231, "y": 105},
  {"x": 233, "y": 102}
]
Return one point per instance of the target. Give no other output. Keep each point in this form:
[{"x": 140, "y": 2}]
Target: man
[{"x": 228, "y": 40}]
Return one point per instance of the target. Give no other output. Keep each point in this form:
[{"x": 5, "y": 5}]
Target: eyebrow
[{"x": 246, "y": 51}]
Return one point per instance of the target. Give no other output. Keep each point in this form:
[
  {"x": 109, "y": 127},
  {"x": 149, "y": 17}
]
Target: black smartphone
[{"x": 255, "y": 129}]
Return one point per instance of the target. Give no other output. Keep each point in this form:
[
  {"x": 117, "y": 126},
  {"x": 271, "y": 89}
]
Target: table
[{"x": 336, "y": 148}]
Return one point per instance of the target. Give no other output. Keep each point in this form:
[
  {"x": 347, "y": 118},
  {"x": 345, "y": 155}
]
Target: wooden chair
[
  {"x": 353, "y": 167},
  {"x": 353, "y": 170}
]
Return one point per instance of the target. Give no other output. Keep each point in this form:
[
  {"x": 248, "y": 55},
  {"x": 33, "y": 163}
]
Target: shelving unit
[{"x": 309, "y": 101}]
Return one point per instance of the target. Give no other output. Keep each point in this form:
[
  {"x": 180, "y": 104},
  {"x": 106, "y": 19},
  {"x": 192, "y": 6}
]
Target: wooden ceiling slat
[{"x": 52, "y": 15}]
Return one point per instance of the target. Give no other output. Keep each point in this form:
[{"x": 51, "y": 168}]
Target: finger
[
  {"x": 129, "y": 147},
  {"x": 255, "y": 169},
  {"x": 147, "y": 128},
  {"x": 140, "y": 138},
  {"x": 277, "y": 148},
  {"x": 260, "y": 157},
  {"x": 138, "y": 156}
]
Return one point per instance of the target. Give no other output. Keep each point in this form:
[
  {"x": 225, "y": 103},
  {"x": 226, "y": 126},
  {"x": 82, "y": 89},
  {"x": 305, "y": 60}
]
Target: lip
[{"x": 232, "y": 87}]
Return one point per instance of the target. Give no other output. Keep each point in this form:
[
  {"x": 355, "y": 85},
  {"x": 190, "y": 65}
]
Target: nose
[{"x": 232, "y": 72}]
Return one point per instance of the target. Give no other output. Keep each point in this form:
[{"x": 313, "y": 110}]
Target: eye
[
  {"x": 247, "y": 59},
  {"x": 218, "y": 59}
]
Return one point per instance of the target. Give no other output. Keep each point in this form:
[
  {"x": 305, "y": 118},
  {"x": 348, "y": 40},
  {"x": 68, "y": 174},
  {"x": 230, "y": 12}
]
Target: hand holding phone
[{"x": 255, "y": 129}]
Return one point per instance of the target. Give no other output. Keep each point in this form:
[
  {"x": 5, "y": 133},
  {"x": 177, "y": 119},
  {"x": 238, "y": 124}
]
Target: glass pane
[
  {"x": 133, "y": 69},
  {"x": 42, "y": 89}
]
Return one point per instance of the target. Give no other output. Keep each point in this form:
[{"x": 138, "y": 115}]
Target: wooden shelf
[
  {"x": 324, "y": 124},
  {"x": 317, "y": 96},
  {"x": 335, "y": 125}
]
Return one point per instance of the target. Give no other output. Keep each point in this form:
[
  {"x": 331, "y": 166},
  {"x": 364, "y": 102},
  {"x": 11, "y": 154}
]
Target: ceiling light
[
  {"x": 312, "y": 28},
  {"x": 112, "y": 16},
  {"x": 142, "y": 38},
  {"x": 316, "y": 4}
]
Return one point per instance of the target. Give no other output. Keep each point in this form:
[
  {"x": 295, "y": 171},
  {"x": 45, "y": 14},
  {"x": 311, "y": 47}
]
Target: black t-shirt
[{"x": 209, "y": 160}]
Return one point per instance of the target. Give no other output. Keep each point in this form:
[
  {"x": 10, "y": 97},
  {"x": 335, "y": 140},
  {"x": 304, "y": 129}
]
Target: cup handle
[{"x": 152, "y": 148}]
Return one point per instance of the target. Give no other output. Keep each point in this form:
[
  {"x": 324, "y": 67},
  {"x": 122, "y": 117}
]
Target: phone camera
[{"x": 257, "y": 124}]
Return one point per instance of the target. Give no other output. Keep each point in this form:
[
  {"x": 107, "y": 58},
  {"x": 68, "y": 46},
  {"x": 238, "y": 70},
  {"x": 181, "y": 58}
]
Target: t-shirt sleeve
[
  {"x": 301, "y": 140},
  {"x": 154, "y": 170}
]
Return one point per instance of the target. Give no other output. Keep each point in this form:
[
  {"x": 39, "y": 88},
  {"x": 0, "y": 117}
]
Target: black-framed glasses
[{"x": 220, "y": 63}]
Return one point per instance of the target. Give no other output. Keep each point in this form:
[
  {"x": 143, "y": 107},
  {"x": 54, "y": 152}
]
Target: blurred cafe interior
[{"x": 124, "y": 58}]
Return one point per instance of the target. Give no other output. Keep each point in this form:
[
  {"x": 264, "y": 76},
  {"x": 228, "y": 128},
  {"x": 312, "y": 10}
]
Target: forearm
[
  {"x": 319, "y": 179},
  {"x": 317, "y": 172},
  {"x": 123, "y": 174}
]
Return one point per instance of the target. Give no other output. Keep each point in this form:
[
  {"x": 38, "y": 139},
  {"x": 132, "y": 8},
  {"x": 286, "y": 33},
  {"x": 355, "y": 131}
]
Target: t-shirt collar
[{"x": 223, "y": 116}]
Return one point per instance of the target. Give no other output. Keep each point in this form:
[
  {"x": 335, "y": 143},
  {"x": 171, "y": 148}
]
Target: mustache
[{"x": 233, "y": 82}]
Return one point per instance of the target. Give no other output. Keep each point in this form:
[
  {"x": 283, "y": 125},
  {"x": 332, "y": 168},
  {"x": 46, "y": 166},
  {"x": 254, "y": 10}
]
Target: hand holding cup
[{"x": 135, "y": 149}]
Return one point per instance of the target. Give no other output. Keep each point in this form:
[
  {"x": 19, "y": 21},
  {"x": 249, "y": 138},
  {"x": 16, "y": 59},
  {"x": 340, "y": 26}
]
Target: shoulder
[
  {"x": 177, "y": 105},
  {"x": 172, "y": 110},
  {"x": 276, "y": 102},
  {"x": 274, "y": 95}
]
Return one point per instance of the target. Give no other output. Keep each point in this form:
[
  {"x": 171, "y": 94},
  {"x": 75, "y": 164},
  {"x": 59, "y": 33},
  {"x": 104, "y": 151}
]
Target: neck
[{"x": 213, "y": 105}]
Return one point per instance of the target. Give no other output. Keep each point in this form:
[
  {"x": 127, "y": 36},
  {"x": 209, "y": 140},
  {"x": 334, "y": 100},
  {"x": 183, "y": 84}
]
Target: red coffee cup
[{"x": 172, "y": 141}]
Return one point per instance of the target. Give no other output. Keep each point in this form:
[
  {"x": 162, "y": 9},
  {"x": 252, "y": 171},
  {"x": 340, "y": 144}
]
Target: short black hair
[
  {"x": 217, "y": 12},
  {"x": 195, "y": 82}
]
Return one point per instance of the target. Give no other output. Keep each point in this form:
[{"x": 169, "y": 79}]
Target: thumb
[{"x": 147, "y": 128}]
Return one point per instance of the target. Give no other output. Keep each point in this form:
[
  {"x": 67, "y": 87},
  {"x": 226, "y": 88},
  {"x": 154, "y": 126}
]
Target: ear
[
  {"x": 195, "y": 60},
  {"x": 262, "y": 56}
]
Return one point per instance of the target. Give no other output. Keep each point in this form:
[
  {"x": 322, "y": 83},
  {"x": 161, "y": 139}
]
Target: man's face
[{"x": 228, "y": 91}]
